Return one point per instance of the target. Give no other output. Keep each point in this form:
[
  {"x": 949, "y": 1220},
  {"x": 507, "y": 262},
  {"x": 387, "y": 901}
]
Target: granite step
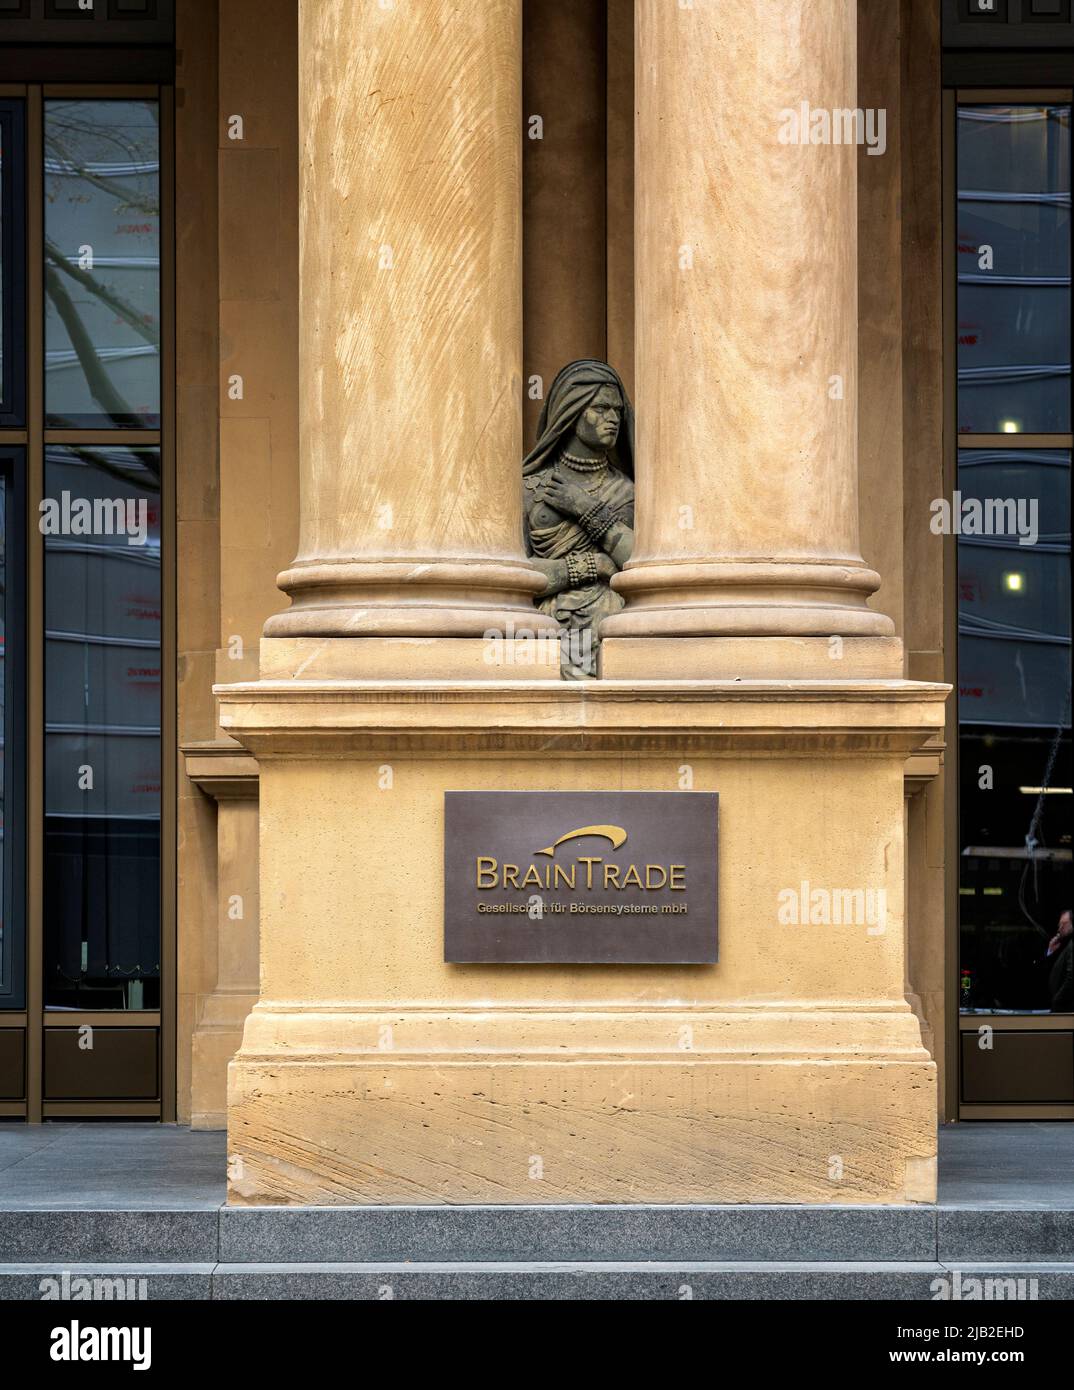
[
  {"x": 544, "y": 1281},
  {"x": 642, "y": 1233},
  {"x": 428, "y": 1235}
]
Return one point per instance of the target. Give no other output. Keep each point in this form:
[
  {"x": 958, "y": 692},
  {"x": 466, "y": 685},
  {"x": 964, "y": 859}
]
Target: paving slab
[
  {"x": 112, "y": 1166},
  {"x": 1007, "y": 1164}
]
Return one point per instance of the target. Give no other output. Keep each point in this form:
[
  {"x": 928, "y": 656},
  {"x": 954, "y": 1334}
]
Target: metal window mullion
[
  {"x": 167, "y": 1052},
  {"x": 125, "y": 439},
  {"x": 35, "y": 604}
]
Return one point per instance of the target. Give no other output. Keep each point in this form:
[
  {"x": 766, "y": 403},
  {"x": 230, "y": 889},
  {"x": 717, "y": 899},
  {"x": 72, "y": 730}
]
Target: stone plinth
[{"x": 373, "y": 1072}]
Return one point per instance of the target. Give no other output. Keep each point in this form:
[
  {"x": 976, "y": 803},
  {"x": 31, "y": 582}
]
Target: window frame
[
  {"x": 96, "y": 430},
  {"x": 13, "y": 965},
  {"x": 33, "y": 436},
  {"x": 13, "y": 256},
  {"x": 954, "y": 442}
]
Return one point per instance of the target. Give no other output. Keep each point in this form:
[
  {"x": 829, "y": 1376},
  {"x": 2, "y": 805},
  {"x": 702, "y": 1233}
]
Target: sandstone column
[
  {"x": 410, "y": 339},
  {"x": 746, "y": 350}
]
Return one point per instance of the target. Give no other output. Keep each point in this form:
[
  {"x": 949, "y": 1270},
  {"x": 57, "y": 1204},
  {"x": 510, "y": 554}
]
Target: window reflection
[
  {"x": 5, "y": 710},
  {"x": 1014, "y": 269},
  {"x": 102, "y": 264},
  {"x": 12, "y": 729},
  {"x": 12, "y": 269},
  {"x": 1014, "y": 694},
  {"x": 3, "y": 264},
  {"x": 102, "y": 737}
]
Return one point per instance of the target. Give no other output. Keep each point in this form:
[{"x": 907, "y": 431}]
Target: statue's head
[
  {"x": 586, "y": 398},
  {"x": 598, "y": 424}
]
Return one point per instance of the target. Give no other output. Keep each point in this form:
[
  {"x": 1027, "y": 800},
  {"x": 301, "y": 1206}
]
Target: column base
[
  {"x": 763, "y": 1105},
  {"x": 217, "y": 1038},
  {"x": 421, "y": 597},
  {"x": 736, "y": 598},
  {"x": 751, "y": 658}
]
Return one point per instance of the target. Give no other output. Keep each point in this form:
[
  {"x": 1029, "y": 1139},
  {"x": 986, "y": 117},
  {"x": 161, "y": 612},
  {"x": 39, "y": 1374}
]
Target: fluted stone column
[
  {"x": 746, "y": 352},
  {"x": 410, "y": 339}
]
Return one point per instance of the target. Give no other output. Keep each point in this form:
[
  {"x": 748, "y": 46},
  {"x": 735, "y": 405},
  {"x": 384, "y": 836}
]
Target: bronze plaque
[{"x": 599, "y": 878}]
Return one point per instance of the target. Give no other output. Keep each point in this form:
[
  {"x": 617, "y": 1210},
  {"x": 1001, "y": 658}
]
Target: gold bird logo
[{"x": 615, "y": 833}]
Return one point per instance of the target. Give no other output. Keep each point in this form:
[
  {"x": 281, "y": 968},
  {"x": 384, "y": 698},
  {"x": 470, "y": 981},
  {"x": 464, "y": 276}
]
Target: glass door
[
  {"x": 1011, "y": 521},
  {"x": 13, "y": 917},
  {"x": 12, "y": 737},
  {"x": 85, "y": 952},
  {"x": 102, "y": 561}
]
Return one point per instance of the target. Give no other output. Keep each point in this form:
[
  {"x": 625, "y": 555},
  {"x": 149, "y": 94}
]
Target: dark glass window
[
  {"x": 5, "y": 705},
  {"x": 1012, "y": 517},
  {"x": 12, "y": 264},
  {"x": 1014, "y": 269},
  {"x": 102, "y": 264},
  {"x": 102, "y": 727},
  {"x": 12, "y": 733},
  {"x": 1014, "y": 706},
  {"x": 97, "y": 183}
]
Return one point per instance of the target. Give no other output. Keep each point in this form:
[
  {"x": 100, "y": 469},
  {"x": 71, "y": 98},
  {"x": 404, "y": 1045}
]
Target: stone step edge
[
  {"x": 534, "y": 1235},
  {"x": 80, "y": 1268},
  {"x": 128, "y": 1284}
]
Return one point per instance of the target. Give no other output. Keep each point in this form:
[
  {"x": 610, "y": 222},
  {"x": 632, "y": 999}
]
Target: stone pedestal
[{"x": 371, "y": 1071}]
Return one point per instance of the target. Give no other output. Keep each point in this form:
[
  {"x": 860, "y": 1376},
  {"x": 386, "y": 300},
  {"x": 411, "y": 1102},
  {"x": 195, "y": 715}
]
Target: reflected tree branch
[
  {"x": 126, "y": 312},
  {"x": 100, "y": 386}
]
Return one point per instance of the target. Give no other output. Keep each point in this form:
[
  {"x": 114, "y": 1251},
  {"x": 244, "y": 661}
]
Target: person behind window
[{"x": 1059, "y": 964}]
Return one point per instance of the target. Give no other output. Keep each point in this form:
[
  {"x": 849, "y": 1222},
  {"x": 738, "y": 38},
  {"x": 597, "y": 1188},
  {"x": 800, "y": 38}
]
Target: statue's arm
[
  {"x": 618, "y": 542},
  {"x": 555, "y": 572}
]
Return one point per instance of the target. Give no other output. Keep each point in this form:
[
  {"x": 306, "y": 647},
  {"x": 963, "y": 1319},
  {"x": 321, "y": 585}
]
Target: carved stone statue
[{"x": 579, "y": 505}]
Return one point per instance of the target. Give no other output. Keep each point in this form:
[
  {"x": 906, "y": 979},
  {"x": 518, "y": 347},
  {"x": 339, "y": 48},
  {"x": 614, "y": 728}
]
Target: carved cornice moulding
[
  {"x": 651, "y": 718},
  {"x": 222, "y": 769},
  {"x": 279, "y": 1032}
]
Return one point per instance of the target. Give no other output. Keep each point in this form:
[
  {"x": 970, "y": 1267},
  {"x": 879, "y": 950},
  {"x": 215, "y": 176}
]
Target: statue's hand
[
  {"x": 606, "y": 567},
  {"x": 567, "y": 498}
]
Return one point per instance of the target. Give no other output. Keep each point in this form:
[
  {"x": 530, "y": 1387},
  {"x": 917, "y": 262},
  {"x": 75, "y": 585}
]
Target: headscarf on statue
[{"x": 572, "y": 392}]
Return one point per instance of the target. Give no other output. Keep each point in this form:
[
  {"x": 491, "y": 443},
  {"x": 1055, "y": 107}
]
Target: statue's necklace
[{"x": 584, "y": 465}]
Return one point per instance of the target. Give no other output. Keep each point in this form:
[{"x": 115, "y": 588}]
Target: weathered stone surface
[{"x": 372, "y": 1072}]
